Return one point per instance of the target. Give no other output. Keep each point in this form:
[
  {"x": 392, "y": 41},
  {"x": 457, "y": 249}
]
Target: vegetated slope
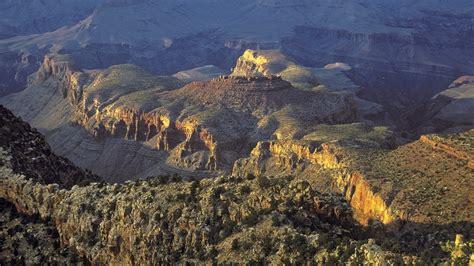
[
  {"x": 200, "y": 73},
  {"x": 63, "y": 95},
  {"x": 30, "y": 240},
  {"x": 415, "y": 184},
  {"x": 30, "y": 154}
]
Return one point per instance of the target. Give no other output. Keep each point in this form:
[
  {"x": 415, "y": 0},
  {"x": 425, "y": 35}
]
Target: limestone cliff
[
  {"x": 303, "y": 158},
  {"x": 333, "y": 77}
]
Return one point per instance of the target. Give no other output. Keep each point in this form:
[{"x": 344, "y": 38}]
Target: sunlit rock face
[
  {"x": 124, "y": 122},
  {"x": 154, "y": 220},
  {"x": 377, "y": 182}
]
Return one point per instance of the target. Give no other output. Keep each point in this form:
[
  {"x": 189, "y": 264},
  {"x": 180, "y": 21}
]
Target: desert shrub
[
  {"x": 263, "y": 182},
  {"x": 251, "y": 220},
  {"x": 235, "y": 244},
  {"x": 250, "y": 176},
  {"x": 245, "y": 190}
]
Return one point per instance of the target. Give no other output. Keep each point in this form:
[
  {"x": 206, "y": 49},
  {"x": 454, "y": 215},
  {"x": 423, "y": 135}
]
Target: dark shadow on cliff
[{"x": 413, "y": 238}]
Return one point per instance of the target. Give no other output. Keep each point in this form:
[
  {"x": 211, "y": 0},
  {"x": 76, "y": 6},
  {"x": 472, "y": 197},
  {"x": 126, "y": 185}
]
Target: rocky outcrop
[
  {"x": 29, "y": 240},
  {"x": 60, "y": 71},
  {"x": 334, "y": 77},
  {"x": 118, "y": 223},
  {"x": 462, "y": 81},
  {"x": 378, "y": 183},
  {"x": 268, "y": 63},
  {"x": 460, "y": 152},
  {"x": 294, "y": 158},
  {"x": 285, "y": 157},
  {"x": 222, "y": 220}
]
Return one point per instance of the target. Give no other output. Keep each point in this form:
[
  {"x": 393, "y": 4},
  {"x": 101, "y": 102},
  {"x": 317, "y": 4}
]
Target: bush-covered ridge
[{"x": 29, "y": 154}]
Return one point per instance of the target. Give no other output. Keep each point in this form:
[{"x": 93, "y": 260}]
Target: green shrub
[{"x": 235, "y": 244}]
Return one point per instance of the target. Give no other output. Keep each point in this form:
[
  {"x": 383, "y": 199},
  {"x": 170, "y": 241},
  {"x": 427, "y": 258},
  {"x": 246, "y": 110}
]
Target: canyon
[
  {"x": 271, "y": 116},
  {"x": 269, "y": 131},
  {"x": 201, "y": 127}
]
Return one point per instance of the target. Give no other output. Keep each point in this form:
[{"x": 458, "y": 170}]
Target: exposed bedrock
[
  {"x": 293, "y": 158},
  {"x": 451, "y": 110},
  {"x": 397, "y": 70},
  {"x": 380, "y": 184}
]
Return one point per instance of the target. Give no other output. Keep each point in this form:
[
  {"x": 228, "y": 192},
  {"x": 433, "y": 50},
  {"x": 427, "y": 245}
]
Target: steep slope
[
  {"x": 29, "y": 240},
  {"x": 161, "y": 221},
  {"x": 169, "y": 36},
  {"x": 30, "y": 154},
  {"x": 333, "y": 77},
  {"x": 223, "y": 220},
  {"x": 62, "y": 97}
]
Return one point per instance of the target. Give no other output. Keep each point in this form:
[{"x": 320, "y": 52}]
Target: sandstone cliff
[{"x": 333, "y": 77}]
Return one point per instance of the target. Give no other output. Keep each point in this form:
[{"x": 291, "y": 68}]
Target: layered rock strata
[
  {"x": 203, "y": 126},
  {"x": 234, "y": 219}
]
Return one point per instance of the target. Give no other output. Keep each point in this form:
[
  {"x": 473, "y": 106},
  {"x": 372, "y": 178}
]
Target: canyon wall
[
  {"x": 377, "y": 182},
  {"x": 301, "y": 159}
]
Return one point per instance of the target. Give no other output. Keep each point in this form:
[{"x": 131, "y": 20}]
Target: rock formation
[
  {"x": 203, "y": 126},
  {"x": 333, "y": 77},
  {"x": 29, "y": 240},
  {"x": 391, "y": 186}
]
